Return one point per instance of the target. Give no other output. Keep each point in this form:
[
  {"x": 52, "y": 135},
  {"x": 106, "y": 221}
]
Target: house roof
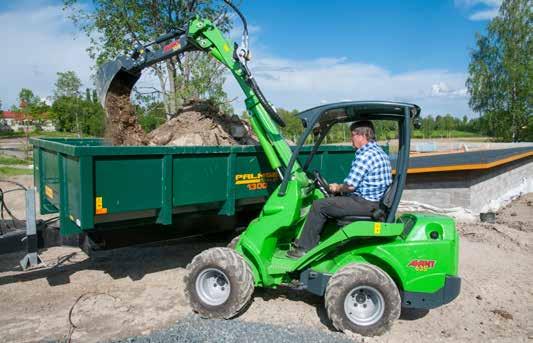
[
  {"x": 12, "y": 115},
  {"x": 19, "y": 116}
]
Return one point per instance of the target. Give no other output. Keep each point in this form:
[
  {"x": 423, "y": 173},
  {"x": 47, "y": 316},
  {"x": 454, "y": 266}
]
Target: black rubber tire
[
  {"x": 362, "y": 274},
  {"x": 240, "y": 278},
  {"x": 233, "y": 242}
]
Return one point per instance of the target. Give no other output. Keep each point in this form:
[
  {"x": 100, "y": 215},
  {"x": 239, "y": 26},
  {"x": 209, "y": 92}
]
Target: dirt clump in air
[{"x": 122, "y": 126}]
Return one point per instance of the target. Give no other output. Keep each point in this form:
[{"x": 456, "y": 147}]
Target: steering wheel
[{"x": 322, "y": 184}]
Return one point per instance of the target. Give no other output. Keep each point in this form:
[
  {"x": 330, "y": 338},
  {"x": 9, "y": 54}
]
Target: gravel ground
[{"x": 194, "y": 329}]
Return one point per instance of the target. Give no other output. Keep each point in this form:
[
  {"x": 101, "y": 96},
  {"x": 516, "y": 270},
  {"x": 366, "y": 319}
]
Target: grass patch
[
  {"x": 9, "y": 171},
  {"x": 4, "y": 159},
  {"x": 11, "y": 134}
]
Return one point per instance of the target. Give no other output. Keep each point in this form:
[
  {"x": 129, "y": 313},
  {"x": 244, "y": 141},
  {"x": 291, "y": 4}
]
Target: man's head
[{"x": 362, "y": 133}]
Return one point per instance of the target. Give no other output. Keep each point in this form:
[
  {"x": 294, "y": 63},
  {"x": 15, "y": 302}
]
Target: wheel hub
[
  {"x": 213, "y": 287},
  {"x": 360, "y": 298},
  {"x": 364, "y": 305}
]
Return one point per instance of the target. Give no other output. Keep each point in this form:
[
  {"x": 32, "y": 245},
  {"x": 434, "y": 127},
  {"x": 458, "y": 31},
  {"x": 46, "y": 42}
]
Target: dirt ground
[{"x": 133, "y": 291}]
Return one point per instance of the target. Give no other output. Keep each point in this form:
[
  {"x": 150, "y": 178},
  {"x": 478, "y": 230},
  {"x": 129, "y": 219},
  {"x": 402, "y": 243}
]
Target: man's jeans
[{"x": 331, "y": 208}]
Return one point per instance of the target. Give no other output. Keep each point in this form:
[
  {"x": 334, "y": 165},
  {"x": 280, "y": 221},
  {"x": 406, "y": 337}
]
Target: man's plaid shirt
[{"x": 371, "y": 172}]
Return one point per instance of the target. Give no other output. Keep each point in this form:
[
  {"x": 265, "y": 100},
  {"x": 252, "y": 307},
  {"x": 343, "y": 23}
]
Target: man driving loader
[{"x": 369, "y": 177}]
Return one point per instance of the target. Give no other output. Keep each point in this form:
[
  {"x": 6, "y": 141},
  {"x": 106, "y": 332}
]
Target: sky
[{"x": 305, "y": 53}]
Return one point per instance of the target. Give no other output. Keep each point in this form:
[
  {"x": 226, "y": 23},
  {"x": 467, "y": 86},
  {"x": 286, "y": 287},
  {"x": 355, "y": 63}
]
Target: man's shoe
[{"x": 296, "y": 252}]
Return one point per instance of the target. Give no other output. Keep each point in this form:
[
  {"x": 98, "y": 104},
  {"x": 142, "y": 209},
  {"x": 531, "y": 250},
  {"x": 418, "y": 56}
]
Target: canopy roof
[{"x": 348, "y": 111}]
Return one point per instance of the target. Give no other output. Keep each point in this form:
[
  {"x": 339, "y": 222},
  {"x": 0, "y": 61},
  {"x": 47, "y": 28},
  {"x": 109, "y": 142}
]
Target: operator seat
[{"x": 377, "y": 215}]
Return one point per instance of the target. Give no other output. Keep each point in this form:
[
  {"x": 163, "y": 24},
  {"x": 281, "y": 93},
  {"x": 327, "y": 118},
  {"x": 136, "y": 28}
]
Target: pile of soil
[
  {"x": 197, "y": 123},
  {"x": 201, "y": 123}
]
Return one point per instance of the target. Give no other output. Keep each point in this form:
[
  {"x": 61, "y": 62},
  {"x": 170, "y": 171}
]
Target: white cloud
[
  {"x": 302, "y": 84},
  {"x": 442, "y": 89},
  {"x": 471, "y": 3},
  {"x": 483, "y": 9},
  {"x": 484, "y": 15},
  {"x": 39, "y": 42}
]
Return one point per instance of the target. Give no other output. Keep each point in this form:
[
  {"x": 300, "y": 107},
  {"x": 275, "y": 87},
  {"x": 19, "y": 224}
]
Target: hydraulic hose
[{"x": 250, "y": 79}]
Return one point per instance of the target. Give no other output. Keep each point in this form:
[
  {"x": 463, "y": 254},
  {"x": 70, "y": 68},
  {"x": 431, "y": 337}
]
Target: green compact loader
[{"x": 367, "y": 268}]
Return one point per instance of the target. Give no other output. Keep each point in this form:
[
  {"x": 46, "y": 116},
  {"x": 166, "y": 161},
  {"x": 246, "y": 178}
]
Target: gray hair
[{"x": 364, "y": 128}]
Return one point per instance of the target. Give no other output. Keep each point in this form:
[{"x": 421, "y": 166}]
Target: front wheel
[
  {"x": 233, "y": 243},
  {"x": 219, "y": 283},
  {"x": 362, "y": 298}
]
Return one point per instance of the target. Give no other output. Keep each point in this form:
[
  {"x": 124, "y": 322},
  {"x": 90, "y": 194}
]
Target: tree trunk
[
  {"x": 173, "y": 106},
  {"x": 161, "y": 77}
]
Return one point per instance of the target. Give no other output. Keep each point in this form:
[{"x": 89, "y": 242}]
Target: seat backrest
[{"x": 388, "y": 196}]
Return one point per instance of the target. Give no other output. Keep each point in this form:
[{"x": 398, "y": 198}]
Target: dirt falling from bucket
[{"x": 122, "y": 127}]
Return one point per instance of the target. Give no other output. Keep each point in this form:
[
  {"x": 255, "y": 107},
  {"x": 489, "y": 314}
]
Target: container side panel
[
  {"x": 67, "y": 225},
  {"x": 73, "y": 182},
  {"x": 199, "y": 178},
  {"x": 50, "y": 177},
  {"x": 87, "y": 192},
  {"x": 165, "y": 213},
  {"x": 36, "y": 173},
  {"x": 127, "y": 183}
]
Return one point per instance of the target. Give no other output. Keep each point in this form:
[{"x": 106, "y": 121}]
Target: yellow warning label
[
  {"x": 377, "y": 228},
  {"x": 49, "y": 192},
  {"x": 226, "y": 47},
  {"x": 100, "y": 209}
]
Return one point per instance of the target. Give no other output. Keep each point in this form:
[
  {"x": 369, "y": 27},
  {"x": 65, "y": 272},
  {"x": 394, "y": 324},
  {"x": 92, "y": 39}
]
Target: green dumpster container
[{"x": 93, "y": 185}]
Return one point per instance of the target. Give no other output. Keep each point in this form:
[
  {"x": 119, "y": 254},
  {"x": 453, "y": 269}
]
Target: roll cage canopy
[
  {"x": 349, "y": 111},
  {"x": 320, "y": 119}
]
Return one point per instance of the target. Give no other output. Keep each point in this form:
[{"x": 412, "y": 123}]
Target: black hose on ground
[{"x": 5, "y": 209}]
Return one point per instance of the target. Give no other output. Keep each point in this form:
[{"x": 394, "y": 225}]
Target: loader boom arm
[{"x": 207, "y": 37}]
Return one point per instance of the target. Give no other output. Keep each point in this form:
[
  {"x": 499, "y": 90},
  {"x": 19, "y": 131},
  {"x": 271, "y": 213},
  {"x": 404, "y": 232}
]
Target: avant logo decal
[{"x": 422, "y": 265}]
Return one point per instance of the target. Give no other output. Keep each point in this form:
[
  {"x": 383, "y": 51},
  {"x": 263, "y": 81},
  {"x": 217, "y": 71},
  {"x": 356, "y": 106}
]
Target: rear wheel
[
  {"x": 362, "y": 298},
  {"x": 219, "y": 283}
]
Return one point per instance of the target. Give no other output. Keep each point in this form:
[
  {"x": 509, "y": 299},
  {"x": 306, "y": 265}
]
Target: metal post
[{"x": 32, "y": 258}]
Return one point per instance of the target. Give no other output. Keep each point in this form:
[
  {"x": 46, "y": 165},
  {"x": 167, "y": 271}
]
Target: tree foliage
[
  {"x": 115, "y": 26},
  {"x": 67, "y": 85},
  {"x": 151, "y": 112},
  {"x": 32, "y": 105},
  {"x": 73, "y": 113},
  {"x": 440, "y": 126},
  {"x": 500, "y": 79}
]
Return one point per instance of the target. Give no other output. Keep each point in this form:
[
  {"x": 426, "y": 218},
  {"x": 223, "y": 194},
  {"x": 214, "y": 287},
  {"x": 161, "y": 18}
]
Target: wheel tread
[
  {"x": 361, "y": 272},
  {"x": 231, "y": 262}
]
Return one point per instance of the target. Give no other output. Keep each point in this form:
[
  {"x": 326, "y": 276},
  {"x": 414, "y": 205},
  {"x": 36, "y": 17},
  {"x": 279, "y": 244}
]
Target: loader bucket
[{"x": 115, "y": 78}]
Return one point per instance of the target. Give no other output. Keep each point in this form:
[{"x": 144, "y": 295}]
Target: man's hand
[
  {"x": 344, "y": 188},
  {"x": 334, "y": 187}
]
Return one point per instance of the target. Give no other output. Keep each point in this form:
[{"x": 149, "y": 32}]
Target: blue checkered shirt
[{"x": 371, "y": 172}]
